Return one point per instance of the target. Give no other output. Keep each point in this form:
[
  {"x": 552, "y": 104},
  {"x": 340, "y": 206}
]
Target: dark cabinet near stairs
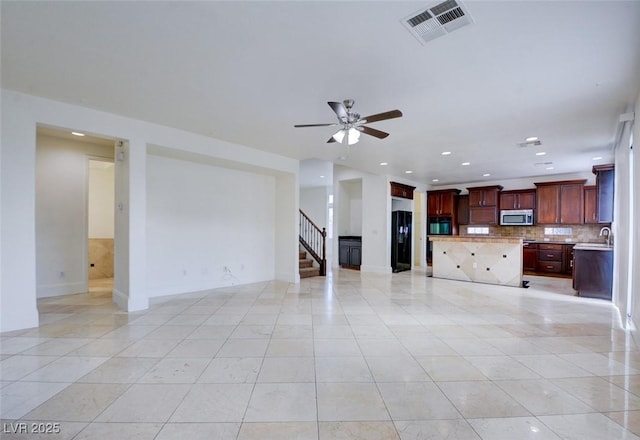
[{"x": 350, "y": 251}]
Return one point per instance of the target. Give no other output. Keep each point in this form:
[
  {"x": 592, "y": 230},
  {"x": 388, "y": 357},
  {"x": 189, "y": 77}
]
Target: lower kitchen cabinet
[
  {"x": 550, "y": 258},
  {"x": 350, "y": 252},
  {"x": 568, "y": 259},
  {"x": 530, "y": 257},
  {"x": 593, "y": 273}
]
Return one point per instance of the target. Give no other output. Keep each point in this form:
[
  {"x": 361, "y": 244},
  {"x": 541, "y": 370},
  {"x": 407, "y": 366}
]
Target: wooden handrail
[{"x": 313, "y": 239}]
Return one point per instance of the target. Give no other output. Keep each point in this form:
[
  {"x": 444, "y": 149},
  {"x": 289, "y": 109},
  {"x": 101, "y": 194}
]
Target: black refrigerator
[{"x": 400, "y": 241}]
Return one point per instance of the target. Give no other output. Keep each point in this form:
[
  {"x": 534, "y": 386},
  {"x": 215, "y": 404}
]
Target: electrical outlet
[{"x": 475, "y": 265}]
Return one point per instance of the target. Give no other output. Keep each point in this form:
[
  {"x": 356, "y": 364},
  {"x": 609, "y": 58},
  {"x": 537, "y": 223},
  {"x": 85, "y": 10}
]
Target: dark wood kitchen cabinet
[
  {"x": 463, "y": 209},
  {"x": 484, "y": 205},
  {"x": 560, "y": 202},
  {"x": 590, "y": 204},
  {"x": 605, "y": 175},
  {"x": 518, "y": 199},
  {"x": 442, "y": 203},
  {"x": 402, "y": 190},
  {"x": 530, "y": 257},
  {"x": 550, "y": 258},
  {"x": 568, "y": 259}
]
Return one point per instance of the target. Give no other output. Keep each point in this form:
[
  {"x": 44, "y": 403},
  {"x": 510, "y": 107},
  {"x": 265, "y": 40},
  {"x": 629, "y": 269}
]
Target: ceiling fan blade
[
  {"x": 315, "y": 125},
  {"x": 340, "y": 110},
  {"x": 373, "y": 132},
  {"x": 331, "y": 139},
  {"x": 382, "y": 116}
]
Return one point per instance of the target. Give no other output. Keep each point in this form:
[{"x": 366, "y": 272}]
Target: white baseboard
[
  {"x": 124, "y": 302},
  {"x": 49, "y": 290},
  {"x": 375, "y": 269}
]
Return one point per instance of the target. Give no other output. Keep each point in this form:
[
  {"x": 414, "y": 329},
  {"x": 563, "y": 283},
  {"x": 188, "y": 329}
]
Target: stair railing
[{"x": 313, "y": 239}]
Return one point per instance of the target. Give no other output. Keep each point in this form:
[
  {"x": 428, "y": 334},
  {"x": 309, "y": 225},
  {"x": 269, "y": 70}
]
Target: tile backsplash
[{"x": 571, "y": 234}]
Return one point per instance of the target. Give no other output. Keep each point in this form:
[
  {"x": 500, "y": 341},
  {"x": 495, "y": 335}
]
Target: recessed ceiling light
[
  {"x": 435, "y": 180},
  {"x": 597, "y": 158},
  {"x": 464, "y": 164},
  {"x": 541, "y": 153},
  {"x": 486, "y": 175},
  {"x": 384, "y": 164},
  {"x": 408, "y": 172},
  {"x": 322, "y": 177},
  {"x": 531, "y": 139},
  {"x": 75, "y": 133},
  {"x": 549, "y": 168},
  {"x": 446, "y": 153}
]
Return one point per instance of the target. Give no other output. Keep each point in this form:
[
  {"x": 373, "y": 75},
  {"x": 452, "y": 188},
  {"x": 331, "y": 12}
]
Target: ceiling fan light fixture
[
  {"x": 339, "y": 136},
  {"x": 353, "y": 136}
]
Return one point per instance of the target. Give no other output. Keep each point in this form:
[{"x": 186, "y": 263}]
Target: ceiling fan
[{"x": 352, "y": 124}]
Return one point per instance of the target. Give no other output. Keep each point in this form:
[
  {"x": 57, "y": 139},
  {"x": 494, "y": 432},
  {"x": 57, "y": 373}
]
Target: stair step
[
  {"x": 307, "y": 272},
  {"x": 305, "y": 263},
  {"x": 302, "y": 255}
]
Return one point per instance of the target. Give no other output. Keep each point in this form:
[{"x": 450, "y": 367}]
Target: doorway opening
[
  {"x": 64, "y": 162},
  {"x": 100, "y": 227}
]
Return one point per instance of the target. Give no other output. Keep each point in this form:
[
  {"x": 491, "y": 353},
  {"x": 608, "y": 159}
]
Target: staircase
[
  {"x": 306, "y": 266},
  {"x": 312, "y": 241}
]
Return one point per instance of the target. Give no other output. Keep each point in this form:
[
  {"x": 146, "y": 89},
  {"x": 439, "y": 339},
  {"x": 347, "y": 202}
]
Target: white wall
[
  {"x": 375, "y": 215},
  {"x": 101, "y": 199},
  {"x": 354, "y": 192},
  {"x": 21, "y": 114},
  {"x": 61, "y": 213},
  {"x": 313, "y": 202},
  {"x": 635, "y": 272},
  {"x": 621, "y": 226},
  {"x": 201, "y": 219}
]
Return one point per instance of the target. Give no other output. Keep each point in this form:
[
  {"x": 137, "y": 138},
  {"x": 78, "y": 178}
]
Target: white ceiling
[{"x": 246, "y": 72}]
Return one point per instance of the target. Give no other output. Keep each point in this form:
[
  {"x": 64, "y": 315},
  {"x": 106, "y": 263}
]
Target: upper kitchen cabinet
[
  {"x": 463, "y": 209},
  {"x": 402, "y": 190},
  {"x": 604, "y": 188},
  {"x": 590, "y": 204},
  {"x": 518, "y": 199},
  {"x": 442, "y": 203},
  {"x": 484, "y": 205},
  {"x": 560, "y": 202}
]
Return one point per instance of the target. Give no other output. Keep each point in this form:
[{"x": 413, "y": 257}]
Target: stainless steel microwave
[{"x": 516, "y": 217}]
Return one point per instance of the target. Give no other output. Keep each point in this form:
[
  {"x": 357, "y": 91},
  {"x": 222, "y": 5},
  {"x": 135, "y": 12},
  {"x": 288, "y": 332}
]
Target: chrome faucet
[{"x": 606, "y": 231}]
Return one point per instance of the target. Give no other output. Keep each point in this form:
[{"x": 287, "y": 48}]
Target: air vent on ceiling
[
  {"x": 535, "y": 143},
  {"x": 437, "y": 20}
]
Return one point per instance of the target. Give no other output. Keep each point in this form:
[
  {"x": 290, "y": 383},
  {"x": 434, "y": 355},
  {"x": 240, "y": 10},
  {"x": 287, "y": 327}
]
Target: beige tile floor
[{"x": 350, "y": 356}]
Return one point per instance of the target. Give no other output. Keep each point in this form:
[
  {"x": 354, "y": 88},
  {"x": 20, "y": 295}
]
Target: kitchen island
[{"x": 491, "y": 260}]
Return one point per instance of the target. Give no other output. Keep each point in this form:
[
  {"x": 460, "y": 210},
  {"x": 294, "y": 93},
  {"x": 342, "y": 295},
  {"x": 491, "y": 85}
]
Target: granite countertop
[
  {"x": 559, "y": 242},
  {"x": 480, "y": 239},
  {"x": 548, "y": 242}
]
